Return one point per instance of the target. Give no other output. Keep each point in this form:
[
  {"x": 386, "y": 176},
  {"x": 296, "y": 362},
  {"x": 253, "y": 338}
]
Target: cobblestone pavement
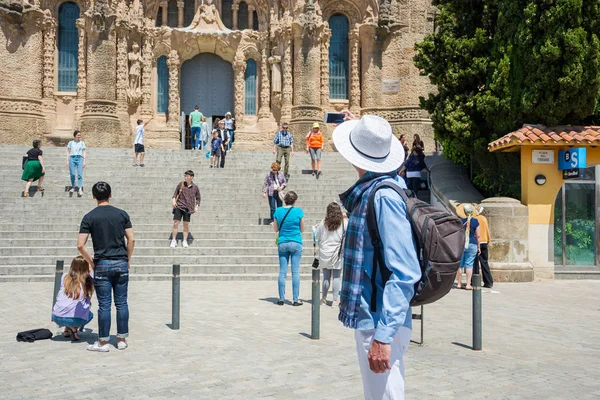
[{"x": 541, "y": 341}]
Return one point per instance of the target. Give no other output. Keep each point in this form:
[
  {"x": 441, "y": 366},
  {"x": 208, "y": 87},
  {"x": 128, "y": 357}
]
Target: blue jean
[
  {"x": 231, "y": 137},
  {"x": 76, "y": 168},
  {"x": 468, "y": 257},
  {"x": 287, "y": 250},
  {"x": 72, "y": 322},
  {"x": 274, "y": 202},
  {"x": 195, "y": 131},
  {"x": 112, "y": 276}
]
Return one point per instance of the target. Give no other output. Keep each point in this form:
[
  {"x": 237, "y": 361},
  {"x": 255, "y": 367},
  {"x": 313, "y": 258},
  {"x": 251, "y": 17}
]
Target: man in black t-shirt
[{"x": 109, "y": 227}]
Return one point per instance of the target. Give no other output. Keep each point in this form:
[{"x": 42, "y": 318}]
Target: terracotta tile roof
[{"x": 538, "y": 134}]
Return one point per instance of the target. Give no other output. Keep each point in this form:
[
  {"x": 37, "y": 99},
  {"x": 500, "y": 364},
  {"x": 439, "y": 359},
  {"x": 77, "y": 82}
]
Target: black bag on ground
[
  {"x": 33, "y": 335},
  {"x": 440, "y": 241}
]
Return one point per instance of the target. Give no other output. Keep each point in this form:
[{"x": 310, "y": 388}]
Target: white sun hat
[{"x": 369, "y": 144}]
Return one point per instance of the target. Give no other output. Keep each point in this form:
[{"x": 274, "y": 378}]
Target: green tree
[{"x": 498, "y": 64}]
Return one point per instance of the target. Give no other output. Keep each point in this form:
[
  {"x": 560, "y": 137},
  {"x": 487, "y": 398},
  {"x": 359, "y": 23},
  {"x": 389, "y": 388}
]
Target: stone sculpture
[{"x": 135, "y": 68}]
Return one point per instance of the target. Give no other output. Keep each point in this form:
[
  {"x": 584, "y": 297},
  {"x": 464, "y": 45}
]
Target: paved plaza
[{"x": 541, "y": 341}]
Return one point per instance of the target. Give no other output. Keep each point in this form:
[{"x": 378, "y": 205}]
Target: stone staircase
[{"x": 230, "y": 236}]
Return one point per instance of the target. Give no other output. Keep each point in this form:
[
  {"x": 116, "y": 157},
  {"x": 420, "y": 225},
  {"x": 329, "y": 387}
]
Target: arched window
[
  {"x": 243, "y": 16},
  {"x": 162, "y": 92},
  {"x": 159, "y": 17},
  {"x": 338, "y": 57},
  {"x": 188, "y": 12},
  {"x": 227, "y": 13},
  {"x": 255, "y": 20},
  {"x": 250, "y": 89},
  {"x": 68, "y": 47},
  {"x": 172, "y": 14}
]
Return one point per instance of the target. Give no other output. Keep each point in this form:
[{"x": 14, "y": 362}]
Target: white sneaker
[
  {"x": 121, "y": 345},
  {"x": 97, "y": 347},
  {"x": 184, "y": 243},
  {"x": 173, "y": 243}
]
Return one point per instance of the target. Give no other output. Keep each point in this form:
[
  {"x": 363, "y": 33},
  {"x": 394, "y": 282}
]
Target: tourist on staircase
[
  {"x": 472, "y": 246},
  {"x": 195, "y": 119},
  {"x": 34, "y": 167},
  {"x": 314, "y": 145},
  {"x": 206, "y": 134},
  {"x": 412, "y": 168},
  {"x": 138, "y": 143},
  {"x": 186, "y": 201},
  {"x": 404, "y": 145},
  {"x": 76, "y": 159},
  {"x": 418, "y": 142},
  {"x": 222, "y": 133},
  {"x": 284, "y": 147},
  {"x": 230, "y": 128},
  {"x": 273, "y": 188},
  {"x": 216, "y": 149},
  {"x": 330, "y": 235},
  {"x": 289, "y": 225}
]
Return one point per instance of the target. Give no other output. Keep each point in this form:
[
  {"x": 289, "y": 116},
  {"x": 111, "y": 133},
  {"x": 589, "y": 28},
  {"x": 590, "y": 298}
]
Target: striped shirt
[
  {"x": 190, "y": 197},
  {"x": 284, "y": 139}
]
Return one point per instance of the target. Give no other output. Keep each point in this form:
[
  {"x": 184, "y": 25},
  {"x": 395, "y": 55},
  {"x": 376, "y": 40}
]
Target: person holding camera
[{"x": 186, "y": 201}]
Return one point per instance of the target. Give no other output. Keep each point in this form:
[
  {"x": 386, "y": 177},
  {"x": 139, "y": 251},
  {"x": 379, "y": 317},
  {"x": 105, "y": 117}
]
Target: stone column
[
  {"x": 251, "y": 10},
  {"x": 180, "y": 5},
  {"x": 81, "y": 69},
  {"x": 325, "y": 38},
  {"x": 288, "y": 80},
  {"x": 371, "y": 70},
  {"x": 265, "y": 88},
  {"x": 173, "y": 62},
  {"x": 147, "y": 109},
  {"x": 239, "y": 68},
  {"x": 307, "y": 66},
  {"x": 122, "y": 70},
  {"x": 165, "y": 16},
  {"x": 354, "y": 72},
  {"x": 49, "y": 29},
  {"x": 235, "y": 9}
]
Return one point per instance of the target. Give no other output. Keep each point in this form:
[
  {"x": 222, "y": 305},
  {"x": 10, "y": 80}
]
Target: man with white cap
[{"x": 382, "y": 322}]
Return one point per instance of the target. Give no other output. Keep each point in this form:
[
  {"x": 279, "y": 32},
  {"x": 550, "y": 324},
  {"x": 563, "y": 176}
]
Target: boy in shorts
[
  {"x": 138, "y": 143},
  {"x": 185, "y": 202},
  {"x": 216, "y": 148}
]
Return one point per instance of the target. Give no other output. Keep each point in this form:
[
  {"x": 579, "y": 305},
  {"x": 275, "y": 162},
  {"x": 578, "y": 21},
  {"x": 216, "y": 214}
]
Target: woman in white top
[
  {"x": 330, "y": 235},
  {"x": 76, "y": 159}
]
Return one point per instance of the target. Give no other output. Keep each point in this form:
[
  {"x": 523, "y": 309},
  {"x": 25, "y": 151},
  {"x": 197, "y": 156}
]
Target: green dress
[{"x": 33, "y": 167}]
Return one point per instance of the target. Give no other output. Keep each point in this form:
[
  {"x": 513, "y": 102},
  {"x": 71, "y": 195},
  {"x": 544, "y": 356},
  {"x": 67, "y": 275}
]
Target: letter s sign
[{"x": 574, "y": 161}]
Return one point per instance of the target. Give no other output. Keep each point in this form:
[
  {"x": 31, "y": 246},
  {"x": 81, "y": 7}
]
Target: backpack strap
[{"x": 378, "y": 260}]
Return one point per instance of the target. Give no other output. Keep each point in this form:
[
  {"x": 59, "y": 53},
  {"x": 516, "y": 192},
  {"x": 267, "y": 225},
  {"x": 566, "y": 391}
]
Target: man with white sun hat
[{"x": 381, "y": 318}]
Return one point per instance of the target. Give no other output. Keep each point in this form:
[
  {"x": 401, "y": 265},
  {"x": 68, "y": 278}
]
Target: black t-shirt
[
  {"x": 106, "y": 225},
  {"x": 34, "y": 154}
]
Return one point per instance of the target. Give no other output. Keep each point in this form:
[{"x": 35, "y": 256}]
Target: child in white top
[{"x": 138, "y": 143}]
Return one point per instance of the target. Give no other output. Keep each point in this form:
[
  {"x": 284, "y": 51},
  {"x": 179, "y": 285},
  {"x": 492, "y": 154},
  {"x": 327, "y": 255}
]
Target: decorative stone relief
[
  {"x": 102, "y": 16},
  {"x": 146, "y": 60},
  {"x": 239, "y": 68},
  {"x": 354, "y": 71},
  {"x": 173, "y": 62},
  {"x": 325, "y": 37},
  {"x": 20, "y": 106},
  {"x": 49, "y": 29},
  {"x": 307, "y": 112},
  {"x": 134, "y": 93},
  {"x": 122, "y": 92},
  {"x": 275, "y": 62},
  {"x": 398, "y": 114},
  {"x": 81, "y": 58},
  {"x": 265, "y": 107},
  {"x": 100, "y": 107},
  {"x": 287, "y": 89}
]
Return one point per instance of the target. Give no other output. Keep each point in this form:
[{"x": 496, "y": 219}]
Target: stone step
[
  {"x": 159, "y": 251},
  {"x": 304, "y": 276},
  {"x": 142, "y": 228},
  {"x": 67, "y": 238},
  {"x": 198, "y": 241}
]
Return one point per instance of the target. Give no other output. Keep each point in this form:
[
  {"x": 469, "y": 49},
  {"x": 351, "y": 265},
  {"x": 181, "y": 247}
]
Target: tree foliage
[{"x": 498, "y": 64}]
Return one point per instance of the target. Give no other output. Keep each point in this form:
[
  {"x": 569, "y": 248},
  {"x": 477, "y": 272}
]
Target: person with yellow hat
[{"x": 314, "y": 146}]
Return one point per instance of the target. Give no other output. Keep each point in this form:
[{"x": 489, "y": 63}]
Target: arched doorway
[{"x": 207, "y": 81}]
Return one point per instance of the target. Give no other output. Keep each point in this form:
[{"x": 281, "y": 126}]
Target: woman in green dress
[{"x": 34, "y": 168}]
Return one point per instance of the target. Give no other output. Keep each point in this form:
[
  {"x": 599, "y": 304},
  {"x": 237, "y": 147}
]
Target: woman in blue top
[
  {"x": 412, "y": 168},
  {"x": 76, "y": 159},
  {"x": 289, "y": 223},
  {"x": 472, "y": 246}
]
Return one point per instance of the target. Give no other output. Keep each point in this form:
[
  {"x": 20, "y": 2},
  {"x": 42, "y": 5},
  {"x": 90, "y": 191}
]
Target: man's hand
[
  {"x": 173, "y": 203},
  {"x": 264, "y": 196},
  {"x": 379, "y": 357},
  {"x": 348, "y": 115},
  {"x": 307, "y": 150},
  {"x": 67, "y": 164}
]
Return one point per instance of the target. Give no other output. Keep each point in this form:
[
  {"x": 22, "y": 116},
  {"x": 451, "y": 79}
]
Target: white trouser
[{"x": 389, "y": 385}]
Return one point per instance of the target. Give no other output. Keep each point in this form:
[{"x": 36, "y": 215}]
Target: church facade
[{"x": 100, "y": 65}]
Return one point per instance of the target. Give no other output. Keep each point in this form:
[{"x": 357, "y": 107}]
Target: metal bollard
[
  {"x": 175, "y": 301},
  {"x": 60, "y": 264},
  {"x": 476, "y": 283},
  {"x": 315, "y": 321}
]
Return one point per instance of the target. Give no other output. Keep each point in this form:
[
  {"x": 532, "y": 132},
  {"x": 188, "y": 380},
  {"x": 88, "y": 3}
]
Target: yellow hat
[{"x": 316, "y": 125}]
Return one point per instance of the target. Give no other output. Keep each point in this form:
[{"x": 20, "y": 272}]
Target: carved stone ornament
[
  {"x": 173, "y": 62},
  {"x": 101, "y": 15},
  {"x": 49, "y": 29},
  {"x": 388, "y": 17},
  {"x": 134, "y": 92},
  {"x": 239, "y": 68},
  {"x": 207, "y": 18},
  {"x": 309, "y": 20},
  {"x": 275, "y": 62}
]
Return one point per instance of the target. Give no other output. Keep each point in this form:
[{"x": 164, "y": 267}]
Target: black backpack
[{"x": 440, "y": 241}]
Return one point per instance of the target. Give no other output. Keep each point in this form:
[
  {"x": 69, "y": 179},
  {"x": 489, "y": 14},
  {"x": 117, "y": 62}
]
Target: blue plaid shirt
[{"x": 284, "y": 139}]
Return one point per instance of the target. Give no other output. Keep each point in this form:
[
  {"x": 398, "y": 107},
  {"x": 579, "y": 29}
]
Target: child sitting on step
[{"x": 74, "y": 299}]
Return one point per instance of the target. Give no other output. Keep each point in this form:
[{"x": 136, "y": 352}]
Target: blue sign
[{"x": 572, "y": 159}]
